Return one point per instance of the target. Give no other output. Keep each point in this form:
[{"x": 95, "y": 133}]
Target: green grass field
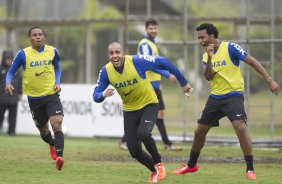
[{"x": 25, "y": 159}]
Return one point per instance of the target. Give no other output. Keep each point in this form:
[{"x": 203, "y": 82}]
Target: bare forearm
[
  {"x": 273, "y": 86},
  {"x": 209, "y": 73},
  {"x": 259, "y": 68}
]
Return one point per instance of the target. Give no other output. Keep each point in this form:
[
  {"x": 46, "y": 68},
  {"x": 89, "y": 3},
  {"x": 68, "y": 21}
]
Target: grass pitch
[{"x": 25, "y": 159}]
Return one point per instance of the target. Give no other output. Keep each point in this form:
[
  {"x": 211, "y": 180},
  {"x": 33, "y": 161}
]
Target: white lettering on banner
[
  {"x": 112, "y": 109},
  {"x": 77, "y": 107},
  {"x": 82, "y": 116}
]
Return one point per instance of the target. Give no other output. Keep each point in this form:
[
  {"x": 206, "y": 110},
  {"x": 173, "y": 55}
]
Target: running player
[
  {"x": 147, "y": 46},
  {"x": 41, "y": 83},
  {"x": 140, "y": 104}
]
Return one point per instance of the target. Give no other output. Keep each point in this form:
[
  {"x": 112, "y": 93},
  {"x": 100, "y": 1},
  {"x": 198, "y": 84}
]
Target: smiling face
[
  {"x": 116, "y": 54},
  {"x": 152, "y": 30},
  {"x": 36, "y": 38},
  {"x": 204, "y": 38}
]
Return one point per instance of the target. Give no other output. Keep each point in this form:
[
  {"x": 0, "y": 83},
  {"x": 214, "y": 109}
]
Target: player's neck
[
  {"x": 37, "y": 47},
  {"x": 217, "y": 43}
]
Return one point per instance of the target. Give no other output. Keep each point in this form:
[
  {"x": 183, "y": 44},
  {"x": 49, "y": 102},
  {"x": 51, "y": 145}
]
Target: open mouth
[
  {"x": 203, "y": 44},
  {"x": 116, "y": 62}
]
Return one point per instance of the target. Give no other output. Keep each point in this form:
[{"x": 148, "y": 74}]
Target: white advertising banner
[{"x": 82, "y": 116}]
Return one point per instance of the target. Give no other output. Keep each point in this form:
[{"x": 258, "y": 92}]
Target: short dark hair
[
  {"x": 35, "y": 27},
  {"x": 211, "y": 29},
  {"x": 151, "y": 21}
]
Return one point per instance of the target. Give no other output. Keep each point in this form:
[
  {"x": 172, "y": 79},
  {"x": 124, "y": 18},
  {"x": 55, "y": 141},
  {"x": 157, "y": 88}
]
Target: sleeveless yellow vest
[
  {"x": 39, "y": 75},
  {"x": 134, "y": 91},
  {"x": 228, "y": 77}
]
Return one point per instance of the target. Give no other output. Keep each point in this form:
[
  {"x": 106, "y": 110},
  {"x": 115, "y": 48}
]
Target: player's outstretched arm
[{"x": 273, "y": 86}]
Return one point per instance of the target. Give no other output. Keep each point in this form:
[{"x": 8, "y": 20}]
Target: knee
[
  {"x": 240, "y": 126},
  {"x": 44, "y": 130},
  {"x": 56, "y": 126},
  {"x": 56, "y": 123}
]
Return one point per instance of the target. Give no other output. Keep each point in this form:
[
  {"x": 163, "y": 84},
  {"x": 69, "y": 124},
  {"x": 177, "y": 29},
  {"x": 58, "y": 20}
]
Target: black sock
[
  {"x": 250, "y": 162},
  {"x": 48, "y": 138},
  {"x": 193, "y": 159},
  {"x": 59, "y": 143}
]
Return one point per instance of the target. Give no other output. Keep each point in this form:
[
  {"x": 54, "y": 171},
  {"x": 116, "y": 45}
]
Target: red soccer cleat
[
  {"x": 185, "y": 169},
  {"x": 153, "y": 178},
  {"x": 251, "y": 175},
  {"x": 53, "y": 153},
  {"x": 59, "y": 163},
  {"x": 161, "y": 169}
]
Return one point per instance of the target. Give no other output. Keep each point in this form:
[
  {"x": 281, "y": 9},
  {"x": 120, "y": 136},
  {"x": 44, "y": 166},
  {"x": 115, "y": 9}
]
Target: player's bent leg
[
  {"x": 47, "y": 137},
  {"x": 45, "y": 133},
  {"x": 135, "y": 150},
  {"x": 56, "y": 123}
]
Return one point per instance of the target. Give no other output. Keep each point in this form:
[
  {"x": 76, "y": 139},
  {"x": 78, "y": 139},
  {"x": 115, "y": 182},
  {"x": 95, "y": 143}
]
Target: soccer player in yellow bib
[
  {"x": 140, "y": 104},
  {"x": 41, "y": 83},
  {"x": 221, "y": 62},
  {"x": 147, "y": 46}
]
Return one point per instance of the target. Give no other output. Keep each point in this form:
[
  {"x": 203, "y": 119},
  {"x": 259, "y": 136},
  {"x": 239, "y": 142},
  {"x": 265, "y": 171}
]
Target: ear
[{"x": 212, "y": 38}]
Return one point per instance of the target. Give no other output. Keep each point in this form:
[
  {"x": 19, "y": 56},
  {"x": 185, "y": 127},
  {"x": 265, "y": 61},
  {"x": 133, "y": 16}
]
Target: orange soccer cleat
[
  {"x": 251, "y": 175},
  {"x": 185, "y": 169},
  {"x": 59, "y": 163},
  {"x": 153, "y": 178},
  {"x": 53, "y": 153},
  {"x": 161, "y": 169}
]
